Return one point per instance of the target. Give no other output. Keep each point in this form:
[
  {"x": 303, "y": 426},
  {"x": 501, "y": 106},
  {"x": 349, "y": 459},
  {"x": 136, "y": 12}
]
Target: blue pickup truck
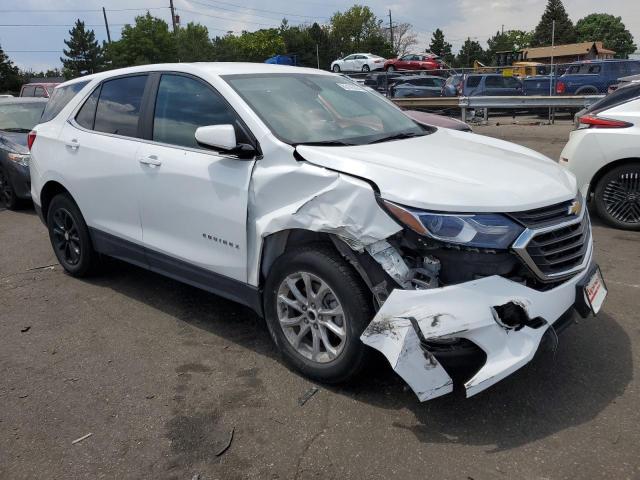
[{"x": 591, "y": 77}]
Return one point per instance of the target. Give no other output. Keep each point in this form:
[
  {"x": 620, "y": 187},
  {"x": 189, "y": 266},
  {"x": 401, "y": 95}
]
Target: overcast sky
[{"x": 39, "y": 47}]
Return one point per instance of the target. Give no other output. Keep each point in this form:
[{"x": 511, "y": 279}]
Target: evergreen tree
[
  {"x": 441, "y": 47},
  {"x": 9, "y": 74},
  {"x": 564, "y": 31},
  {"x": 470, "y": 51},
  {"x": 84, "y": 55}
]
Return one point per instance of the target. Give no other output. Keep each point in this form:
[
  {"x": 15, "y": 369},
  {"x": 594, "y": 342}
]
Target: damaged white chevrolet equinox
[{"x": 325, "y": 209}]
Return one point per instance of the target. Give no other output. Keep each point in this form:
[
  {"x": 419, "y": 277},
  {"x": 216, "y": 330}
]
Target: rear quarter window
[
  {"x": 60, "y": 97},
  {"x": 473, "y": 82}
]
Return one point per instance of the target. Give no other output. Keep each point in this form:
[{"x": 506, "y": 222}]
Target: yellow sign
[{"x": 507, "y": 72}]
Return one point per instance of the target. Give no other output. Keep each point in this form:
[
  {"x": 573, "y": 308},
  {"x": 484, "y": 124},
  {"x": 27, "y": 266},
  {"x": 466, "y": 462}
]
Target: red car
[
  {"x": 43, "y": 90},
  {"x": 414, "y": 61}
]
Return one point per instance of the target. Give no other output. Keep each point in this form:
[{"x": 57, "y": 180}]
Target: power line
[
  {"x": 58, "y": 25},
  {"x": 260, "y": 9},
  {"x": 226, "y": 18},
  {"x": 83, "y": 10},
  {"x": 235, "y": 11}
]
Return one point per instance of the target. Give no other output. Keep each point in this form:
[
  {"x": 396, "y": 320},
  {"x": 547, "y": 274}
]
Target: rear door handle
[
  {"x": 150, "y": 160},
  {"x": 73, "y": 144}
]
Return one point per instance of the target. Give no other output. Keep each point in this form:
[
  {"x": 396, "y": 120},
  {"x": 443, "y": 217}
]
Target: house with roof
[{"x": 571, "y": 52}]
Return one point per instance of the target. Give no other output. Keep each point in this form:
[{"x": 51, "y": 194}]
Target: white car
[
  {"x": 358, "y": 62},
  {"x": 604, "y": 155},
  {"x": 324, "y": 208}
]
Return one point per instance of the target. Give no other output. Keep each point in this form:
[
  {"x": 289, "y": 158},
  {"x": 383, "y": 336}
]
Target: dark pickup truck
[{"x": 591, "y": 77}]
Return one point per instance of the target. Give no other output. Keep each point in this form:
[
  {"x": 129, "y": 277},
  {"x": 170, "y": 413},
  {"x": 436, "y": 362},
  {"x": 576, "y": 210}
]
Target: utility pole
[
  {"x": 106, "y": 24},
  {"x": 391, "y": 32},
  {"x": 551, "y": 72},
  {"x": 173, "y": 15},
  {"x": 318, "y": 56},
  {"x": 503, "y": 29}
]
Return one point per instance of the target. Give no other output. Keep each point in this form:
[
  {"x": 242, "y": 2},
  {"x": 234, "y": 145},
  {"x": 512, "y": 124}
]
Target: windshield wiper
[
  {"x": 326, "y": 143},
  {"x": 398, "y": 136},
  {"x": 16, "y": 130}
]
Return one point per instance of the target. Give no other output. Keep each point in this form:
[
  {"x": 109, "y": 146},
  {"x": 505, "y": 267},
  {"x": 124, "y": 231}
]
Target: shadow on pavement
[{"x": 590, "y": 369}]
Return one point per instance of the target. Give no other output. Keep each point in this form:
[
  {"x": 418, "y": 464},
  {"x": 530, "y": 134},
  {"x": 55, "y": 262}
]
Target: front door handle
[
  {"x": 73, "y": 144},
  {"x": 150, "y": 160}
]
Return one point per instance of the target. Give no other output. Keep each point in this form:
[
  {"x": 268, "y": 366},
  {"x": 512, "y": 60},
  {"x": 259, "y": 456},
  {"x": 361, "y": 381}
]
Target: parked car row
[
  {"x": 367, "y": 62},
  {"x": 580, "y": 78}
]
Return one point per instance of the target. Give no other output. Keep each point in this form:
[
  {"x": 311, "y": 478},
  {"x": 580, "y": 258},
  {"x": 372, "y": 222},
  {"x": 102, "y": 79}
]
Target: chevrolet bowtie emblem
[{"x": 574, "y": 208}]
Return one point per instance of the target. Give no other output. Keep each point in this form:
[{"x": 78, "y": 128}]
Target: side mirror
[
  {"x": 217, "y": 136},
  {"x": 223, "y": 137}
]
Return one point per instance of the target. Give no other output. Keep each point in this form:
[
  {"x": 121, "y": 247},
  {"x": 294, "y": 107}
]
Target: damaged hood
[{"x": 452, "y": 171}]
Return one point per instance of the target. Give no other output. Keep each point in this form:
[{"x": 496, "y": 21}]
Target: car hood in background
[
  {"x": 14, "y": 141},
  {"x": 452, "y": 171},
  {"x": 434, "y": 120}
]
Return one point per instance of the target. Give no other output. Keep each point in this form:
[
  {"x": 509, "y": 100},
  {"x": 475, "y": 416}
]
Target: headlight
[
  {"x": 482, "y": 230},
  {"x": 19, "y": 158}
]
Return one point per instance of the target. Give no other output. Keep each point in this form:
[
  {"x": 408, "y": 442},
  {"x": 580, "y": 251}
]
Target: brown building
[{"x": 567, "y": 53}]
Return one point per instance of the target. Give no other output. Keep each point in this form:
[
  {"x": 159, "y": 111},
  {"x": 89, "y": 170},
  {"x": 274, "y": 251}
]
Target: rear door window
[
  {"x": 182, "y": 105},
  {"x": 494, "y": 82},
  {"x": 87, "y": 114},
  {"x": 473, "y": 82},
  {"x": 40, "y": 93},
  {"x": 59, "y": 99},
  {"x": 28, "y": 91},
  {"x": 118, "y": 109}
]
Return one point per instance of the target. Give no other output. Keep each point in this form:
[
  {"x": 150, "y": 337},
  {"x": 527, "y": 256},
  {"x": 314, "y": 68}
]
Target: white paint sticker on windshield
[{"x": 351, "y": 87}]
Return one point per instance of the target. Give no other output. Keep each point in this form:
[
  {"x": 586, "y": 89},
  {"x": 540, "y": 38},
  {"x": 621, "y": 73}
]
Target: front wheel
[
  {"x": 316, "y": 309},
  {"x": 7, "y": 194},
  {"x": 336, "y": 68},
  {"x": 365, "y": 68},
  {"x": 617, "y": 197},
  {"x": 69, "y": 237}
]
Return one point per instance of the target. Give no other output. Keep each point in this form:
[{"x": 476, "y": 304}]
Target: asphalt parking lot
[{"x": 172, "y": 382}]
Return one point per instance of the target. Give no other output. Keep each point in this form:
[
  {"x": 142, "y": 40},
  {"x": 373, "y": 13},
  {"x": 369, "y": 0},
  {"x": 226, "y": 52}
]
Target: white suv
[{"x": 324, "y": 208}]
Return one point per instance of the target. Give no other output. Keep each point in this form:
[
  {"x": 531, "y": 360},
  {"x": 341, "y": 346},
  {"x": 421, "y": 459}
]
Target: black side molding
[{"x": 177, "y": 269}]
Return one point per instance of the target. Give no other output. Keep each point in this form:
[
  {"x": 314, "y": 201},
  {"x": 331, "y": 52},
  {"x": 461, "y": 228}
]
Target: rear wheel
[
  {"x": 336, "y": 68},
  {"x": 7, "y": 195},
  {"x": 316, "y": 309},
  {"x": 391, "y": 68},
  {"x": 617, "y": 197},
  {"x": 69, "y": 237}
]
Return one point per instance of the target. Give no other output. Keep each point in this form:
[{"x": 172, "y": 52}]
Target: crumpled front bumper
[{"x": 467, "y": 310}]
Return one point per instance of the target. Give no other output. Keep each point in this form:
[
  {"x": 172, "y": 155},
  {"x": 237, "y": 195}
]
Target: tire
[
  {"x": 617, "y": 197},
  {"x": 8, "y": 196},
  {"x": 391, "y": 68},
  {"x": 70, "y": 237},
  {"x": 336, "y": 69},
  {"x": 587, "y": 91},
  {"x": 319, "y": 263},
  {"x": 365, "y": 68}
]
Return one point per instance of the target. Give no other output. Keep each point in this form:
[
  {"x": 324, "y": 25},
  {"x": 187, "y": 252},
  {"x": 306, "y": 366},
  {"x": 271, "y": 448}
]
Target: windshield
[
  {"x": 304, "y": 108},
  {"x": 18, "y": 117}
]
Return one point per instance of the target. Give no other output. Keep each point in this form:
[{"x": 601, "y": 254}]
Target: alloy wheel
[
  {"x": 6, "y": 192},
  {"x": 621, "y": 197},
  {"x": 66, "y": 239},
  {"x": 311, "y": 317}
]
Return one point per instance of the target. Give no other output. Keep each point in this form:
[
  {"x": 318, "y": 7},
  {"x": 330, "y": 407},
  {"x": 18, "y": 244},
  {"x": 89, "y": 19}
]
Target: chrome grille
[
  {"x": 556, "y": 251},
  {"x": 540, "y": 217}
]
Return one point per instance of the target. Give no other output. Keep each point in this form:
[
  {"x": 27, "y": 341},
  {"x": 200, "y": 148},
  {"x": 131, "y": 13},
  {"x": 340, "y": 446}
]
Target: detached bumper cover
[{"x": 470, "y": 310}]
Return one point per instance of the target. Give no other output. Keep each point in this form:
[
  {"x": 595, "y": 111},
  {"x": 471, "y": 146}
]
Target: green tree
[
  {"x": 147, "y": 41},
  {"x": 193, "y": 44},
  {"x": 358, "y": 30},
  {"x": 609, "y": 29},
  {"x": 441, "y": 47},
  {"x": 83, "y": 55},
  {"x": 470, "y": 51},
  {"x": 249, "y": 46},
  {"x": 10, "y": 80},
  {"x": 564, "y": 31}
]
